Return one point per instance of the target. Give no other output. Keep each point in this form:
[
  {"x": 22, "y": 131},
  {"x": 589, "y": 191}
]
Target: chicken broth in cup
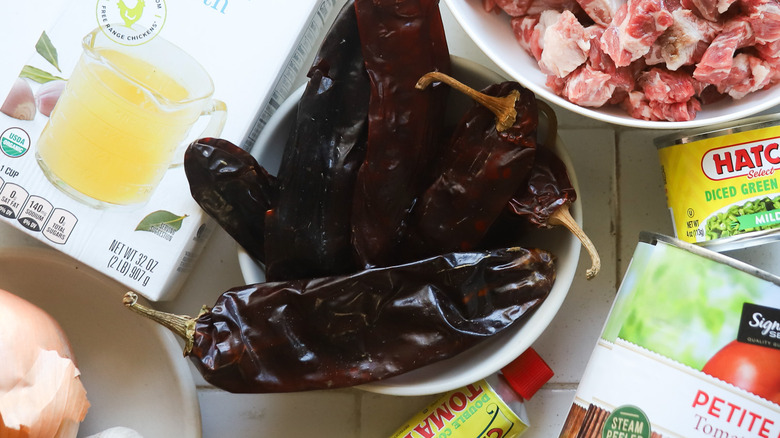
[{"x": 125, "y": 112}]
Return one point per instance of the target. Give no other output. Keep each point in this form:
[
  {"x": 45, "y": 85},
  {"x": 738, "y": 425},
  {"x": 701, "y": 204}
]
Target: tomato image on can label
[{"x": 753, "y": 368}]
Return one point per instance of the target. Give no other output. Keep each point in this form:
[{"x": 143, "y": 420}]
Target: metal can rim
[
  {"x": 653, "y": 238},
  {"x": 741, "y": 125}
]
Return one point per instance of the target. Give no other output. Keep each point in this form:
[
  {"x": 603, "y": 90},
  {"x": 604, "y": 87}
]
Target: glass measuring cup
[{"x": 122, "y": 119}]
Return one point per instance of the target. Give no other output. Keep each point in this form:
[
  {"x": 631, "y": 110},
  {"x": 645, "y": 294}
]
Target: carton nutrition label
[
  {"x": 35, "y": 213},
  {"x": 12, "y": 196}
]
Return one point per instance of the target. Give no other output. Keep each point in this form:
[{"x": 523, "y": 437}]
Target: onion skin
[
  {"x": 20, "y": 102},
  {"x": 41, "y": 394}
]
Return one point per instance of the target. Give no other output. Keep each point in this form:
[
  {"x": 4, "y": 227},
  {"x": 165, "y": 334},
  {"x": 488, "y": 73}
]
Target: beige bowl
[
  {"x": 492, "y": 33},
  {"x": 493, "y": 354}
]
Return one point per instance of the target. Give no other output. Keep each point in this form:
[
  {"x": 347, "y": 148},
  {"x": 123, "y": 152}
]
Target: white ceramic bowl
[
  {"x": 131, "y": 367},
  {"x": 494, "y": 353},
  {"x": 492, "y": 33}
]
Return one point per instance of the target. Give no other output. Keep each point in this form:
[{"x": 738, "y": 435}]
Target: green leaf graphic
[
  {"x": 38, "y": 75},
  {"x": 160, "y": 218},
  {"x": 46, "y": 49}
]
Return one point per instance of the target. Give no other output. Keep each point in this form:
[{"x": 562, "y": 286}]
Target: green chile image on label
[
  {"x": 755, "y": 215},
  {"x": 626, "y": 421}
]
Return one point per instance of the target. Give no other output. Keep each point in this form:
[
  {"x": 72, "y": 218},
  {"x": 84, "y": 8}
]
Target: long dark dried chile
[
  {"x": 231, "y": 187},
  {"x": 308, "y": 232},
  {"x": 356, "y": 329},
  {"x": 478, "y": 174},
  {"x": 402, "y": 40}
]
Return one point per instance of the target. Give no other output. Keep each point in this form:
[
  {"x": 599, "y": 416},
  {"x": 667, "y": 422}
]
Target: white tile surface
[
  {"x": 622, "y": 193},
  {"x": 316, "y": 414},
  {"x": 382, "y": 414},
  {"x": 568, "y": 341}
]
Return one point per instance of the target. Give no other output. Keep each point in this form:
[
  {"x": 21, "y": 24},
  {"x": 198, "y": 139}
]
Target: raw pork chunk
[
  {"x": 715, "y": 65},
  {"x": 710, "y": 10},
  {"x": 564, "y": 46},
  {"x": 764, "y": 19},
  {"x": 684, "y": 42},
  {"x": 598, "y": 81},
  {"x": 588, "y": 87},
  {"x": 666, "y": 86},
  {"x": 663, "y": 95},
  {"x": 519, "y": 8},
  {"x": 639, "y": 107},
  {"x": 601, "y": 11},
  {"x": 528, "y": 34},
  {"x": 770, "y": 52},
  {"x": 634, "y": 29},
  {"x": 748, "y": 74},
  {"x": 658, "y": 59}
]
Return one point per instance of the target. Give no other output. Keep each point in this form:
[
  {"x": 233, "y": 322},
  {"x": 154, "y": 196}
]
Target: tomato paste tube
[
  {"x": 492, "y": 407},
  {"x": 722, "y": 185}
]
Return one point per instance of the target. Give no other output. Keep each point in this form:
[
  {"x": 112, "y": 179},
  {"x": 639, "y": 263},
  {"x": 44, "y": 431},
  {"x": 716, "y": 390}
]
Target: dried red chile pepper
[
  {"x": 548, "y": 189},
  {"x": 402, "y": 40},
  {"x": 349, "y": 330},
  {"x": 545, "y": 199},
  {"x": 478, "y": 172},
  {"x": 232, "y": 188},
  {"x": 308, "y": 231}
]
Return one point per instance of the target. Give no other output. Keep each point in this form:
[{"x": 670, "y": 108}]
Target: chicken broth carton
[
  {"x": 99, "y": 112},
  {"x": 690, "y": 349}
]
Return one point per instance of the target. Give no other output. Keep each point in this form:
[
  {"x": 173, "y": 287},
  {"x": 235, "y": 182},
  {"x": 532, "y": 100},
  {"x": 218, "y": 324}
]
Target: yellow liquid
[{"x": 110, "y": 138}]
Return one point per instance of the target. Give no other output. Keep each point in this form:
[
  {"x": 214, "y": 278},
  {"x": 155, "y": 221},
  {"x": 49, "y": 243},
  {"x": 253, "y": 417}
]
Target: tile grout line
[
  {"x": 561, "y": 386},
  {"x": 359, "y": 415},
  {"x": 616, "y": 210}
]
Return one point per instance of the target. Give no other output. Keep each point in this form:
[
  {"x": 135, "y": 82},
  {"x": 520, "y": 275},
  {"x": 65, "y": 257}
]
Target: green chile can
[{"x": 723, "y": 184}]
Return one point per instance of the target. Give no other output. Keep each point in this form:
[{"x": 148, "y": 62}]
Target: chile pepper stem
[
  {"x": 562, "y": 216},
  {"x": 181, "y": 325},
  {"x": 502, "y": 107}
]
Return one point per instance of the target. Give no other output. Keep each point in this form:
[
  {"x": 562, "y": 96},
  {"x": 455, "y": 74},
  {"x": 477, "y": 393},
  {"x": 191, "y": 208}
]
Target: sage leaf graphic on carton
[
  {"x": 38, "y": 75},
  {"x": 45, "y": 48},
  {"x": 160, "y": 219}
]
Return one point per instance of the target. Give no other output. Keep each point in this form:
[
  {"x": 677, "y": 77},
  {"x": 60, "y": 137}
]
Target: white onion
[{"x": 41, "y": 395}]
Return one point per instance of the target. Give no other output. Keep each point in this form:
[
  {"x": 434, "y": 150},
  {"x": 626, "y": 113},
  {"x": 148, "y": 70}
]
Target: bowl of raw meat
[
  {"x": 638, "y": 63},
  {"x": 497, "y": 351}
]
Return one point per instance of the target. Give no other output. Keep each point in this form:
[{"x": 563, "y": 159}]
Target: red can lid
[{"x": 527, "y": 373}]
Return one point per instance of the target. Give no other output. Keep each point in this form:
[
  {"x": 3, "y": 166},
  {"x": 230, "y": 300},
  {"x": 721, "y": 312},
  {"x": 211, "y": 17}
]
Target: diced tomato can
[
  {"x": 691, "y": 348},
  {"x": 723, "y": 183}
]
